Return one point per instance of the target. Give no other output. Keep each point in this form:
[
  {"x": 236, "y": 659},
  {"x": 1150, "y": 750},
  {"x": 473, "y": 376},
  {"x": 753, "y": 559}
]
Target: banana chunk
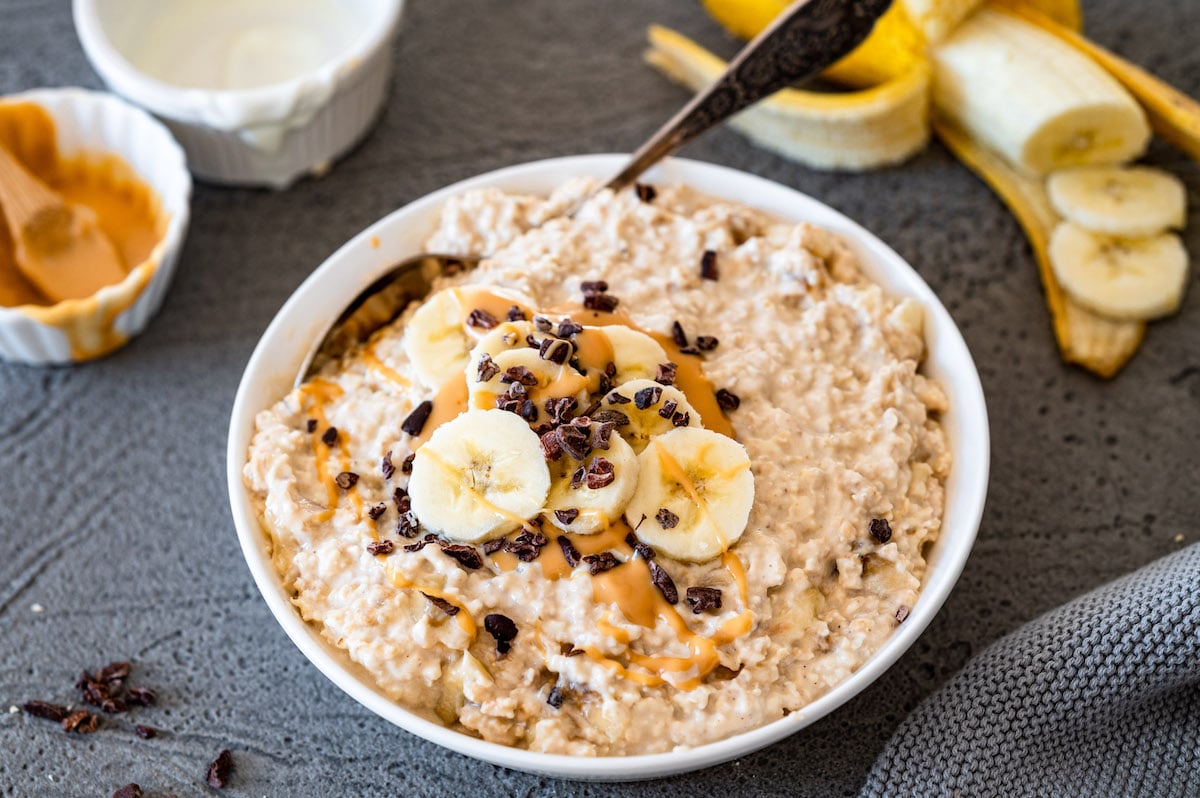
[
  {"x": 479, "y": 476},
  {"x": 587, "y": 496},
  {"x": 523, "y": 375},
  {"x": 1121, "y": 278},
  {"x": 636, "y": 355},
  {"x": 440, "y": 335},
  {"x": 1127, "y": 202},
  {"x": 694, "y": 494},
  {"x": 649, "y": 408}
]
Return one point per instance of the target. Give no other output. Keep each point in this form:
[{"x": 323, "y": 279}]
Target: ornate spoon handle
[{"x": 807, "y": 37}]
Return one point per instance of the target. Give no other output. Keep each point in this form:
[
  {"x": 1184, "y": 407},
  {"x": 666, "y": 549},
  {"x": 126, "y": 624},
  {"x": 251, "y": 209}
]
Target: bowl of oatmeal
[{"x": 653, "y": 487}]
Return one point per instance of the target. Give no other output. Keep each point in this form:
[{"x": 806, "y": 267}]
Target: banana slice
[
  {"x": 635, "y": 354},
  {"x": 524, "y": 375},
  {"x": 1119, "y": 201},
  {"x": 586, "y": 497},
  {"x": 694, "y": 494},
  {"x": 440, "y": 335},
  {"x": 479, "y": 476},
  {"x": 650, "y": 409},
  {"x": 1122, "y": 278}
]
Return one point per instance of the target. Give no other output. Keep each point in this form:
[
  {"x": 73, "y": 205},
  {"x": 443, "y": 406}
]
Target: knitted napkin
[{"x": 1100, "y": 697}]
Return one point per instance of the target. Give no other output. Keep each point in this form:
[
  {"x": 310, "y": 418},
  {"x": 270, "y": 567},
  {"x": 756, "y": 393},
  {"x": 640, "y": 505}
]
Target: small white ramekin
[
  {"x": 269, "y": 136},
  {"x": 82, "y": 329}
]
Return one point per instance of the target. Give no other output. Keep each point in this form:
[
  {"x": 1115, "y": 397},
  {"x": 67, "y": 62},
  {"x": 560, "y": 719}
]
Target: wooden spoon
[{"x": 58, "y": 246}]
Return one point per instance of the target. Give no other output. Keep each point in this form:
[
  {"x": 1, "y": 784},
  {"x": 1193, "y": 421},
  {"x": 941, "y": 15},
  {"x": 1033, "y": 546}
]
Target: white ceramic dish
[
  {"x": 81, "y": 329},
  {"x": 316, "y": 303},
  {"x": 265, "y": 136}
]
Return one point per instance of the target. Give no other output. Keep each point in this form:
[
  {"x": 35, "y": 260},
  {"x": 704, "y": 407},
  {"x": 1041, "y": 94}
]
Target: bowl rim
[
  {"x": 178, "y": 207},
  {"x": 967, "y": 422},
  {"x": 181, "y": 103}
]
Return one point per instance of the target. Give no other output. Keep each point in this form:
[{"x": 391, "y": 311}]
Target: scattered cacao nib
[
  {"x": 881, "y": 530},
  {"x": 219, "y": 770},
  {"x": 681, "y": 419},
  {"x": 346, "y": 480},
  {"x": 493, "y": 546},
  {"x": 593, "y": 287},
  {"x": 45, "y": 711},
  {"x": 566, "y": 516},
  {"x": 551, "y": 448},
  {"x": 140, "y": 696},
  {"x": 902, "y": 613},
  {"x": 602, "y": 435},
  {"x": 528, "y": 411},
  {"x": 527, "y": 545},
  {"x": 560, "y": 409},
  {"x": 402, "y": 499},
  {"x": 600, "y": 474},
  {"x": 601, "y": 562},
  {"x": 703, "y": 598},
  {"x": 605, "y": 384},
  {"x": 569, "y": 650},
  {"x": 615, "y": 398},
  {"x": 663, "y": 581},
  {"x": 384, "y": 546},
  {"x": 578, "y": 477},
  {"x": 406, "y": 466},
  {"x": 554, "y": 350},
  {"x": 375, "y": 512},
  {"x": 482, "y": 319},
  {"x": 130, "y": 790},
  {"x": 666, "y": 519},
  {"x": 520, "y": 375},
  {"x": 422, "y": 543},
  {"x": 689, "y": 350},
  {"x": 573, "y": 440},
  {"x": 330, "y": 436},
  {"x": 466, "y": 556},
  {"x": 145, "y": 732},
  {"x": 614, "y": 417},
  {"x": 386, "y": 466},
  {"x": 114, "y": 705},
  {"x": 487, "y": 368},
  {"x": 708, "y": 266},
  {"x": 728, "y": 400},
  {"x": 706, "y": 343},
  {"x": 640, "y": 548},
  {"x": 647, "y": 397},
  {"x": 678, "y": 335},
  {"x": 570, "y": 553},
  {"x": 605, "y": 303},
  {"x": 311, "y": 425},
  {"x": 569, "y": 327},
  {"x": 408, "y": 526},
  {"x": 441, "y": 604},
  {"x": 515, "y": 389},
  {"x": 645, "y": 192},
  {"x": 542, "y": 324},
  {"x": 555, "y": 699},
  {"x": 502, "y": 629},
  {"x": 516, "y": 314},
  {"x": 591, "y": 410},
  {"x": 668, "y": 408},
  {"x": 80, "y": 722},
  {"x": 665, "y": 373},
  {"x": 417, "y": 418}
]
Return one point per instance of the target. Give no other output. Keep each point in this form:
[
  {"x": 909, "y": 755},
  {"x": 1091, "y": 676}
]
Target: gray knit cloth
[{"x": 1100, "y": 697}]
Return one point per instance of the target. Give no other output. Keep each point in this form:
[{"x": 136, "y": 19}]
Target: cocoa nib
[
  {"x": 609, "y": 416},
  {"x": 678, "y": 335},
  {"x": 542, "y": 324},
  {"x": 902, "y": 613},
  {"x": 346, "y": 480},
  {"x": 311, "y": 425},
  {"x": 114, "y": 672},
  {"x": 375, "y": 512},
  {"x": 566, "y": 516},
  {"x": 466, "y": 556},
  {"x": 881, "y": 530},
  {"x": 551, "y": 448},
  {"x": 663, "y": 581},
  {"x": 668, "y": 408},
  {"x": 140, "y": 696},
  {"x": 615, "y": 398},
  {"x": 502, "y": 629},
  {"x": 570, "y": 553},
  {"x": 642, "y": 550},
  {"x": 482, "y": 319},
  {"x": 568, "y": 328},
  {"x": 645, "y": 192},
  {"x": 381, "y": 546},
  {"x": 81, "y": 722},
  {"x": 330, "y": 436},
  {"x": 516, "y": 314},
  {"x": 406, "y": 466},
  {"x": 600, "y": 474},
  {"x": 706, "y": 343},
  {"x": 666, "y": 519},
  {"x": 665, "y": 373},
  {"x": 605, "y": 303},
  {"x": 44, "y": 710},
  {"x": 555, "y": 699},
  {"x": 487, "y": 368},
  {"x": 145, "y": 732},
  {"x": 441, "y": 604},
  {"x": 574, "y": 440},
  {"x": 601, "y": 562},
  {"x": 519, "y": 374},
  {"x": 219, "y": 770},
  {"x": 402, "y": 499},
  {"x": 130, "y": 790},
  {"x": 422, "y": 543},
  {"x": 386, "y": 466},
  {"x": 417, "y": 418},
  {"x": 708, "y": 265},
  {"x": 560, "y": 409},
  {"x": 703, "y": 598},
  {"x": 647, "y": 397},
  {"x": 728, "y": 400},
  {"x": 681, "y": 419},
  {"x": 554, "y": 350},
  {"x": 593, "y": 287}
]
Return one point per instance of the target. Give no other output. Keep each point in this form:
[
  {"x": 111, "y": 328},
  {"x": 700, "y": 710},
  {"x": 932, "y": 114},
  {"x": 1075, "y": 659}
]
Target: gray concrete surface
[{"x": 113, "y": 513}]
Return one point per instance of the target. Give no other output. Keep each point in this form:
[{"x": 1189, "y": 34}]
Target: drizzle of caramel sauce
[
  {"x": 372, "y": 361},
  {"x": 400, "y": 581},
  {"x": 449, "y": 403},
  {"x": 318, "y": 393}
]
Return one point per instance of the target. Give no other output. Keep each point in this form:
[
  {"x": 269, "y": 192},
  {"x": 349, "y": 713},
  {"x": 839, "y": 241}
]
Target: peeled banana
[
  {"x": 588, "y": 496},
  {"x": 648, "y": 409},
  {"x": 1126, "y": 202}
]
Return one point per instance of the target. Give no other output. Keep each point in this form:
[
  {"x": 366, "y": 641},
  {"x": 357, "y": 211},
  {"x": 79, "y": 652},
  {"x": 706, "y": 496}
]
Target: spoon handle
[{"x": 807, "y": 37}]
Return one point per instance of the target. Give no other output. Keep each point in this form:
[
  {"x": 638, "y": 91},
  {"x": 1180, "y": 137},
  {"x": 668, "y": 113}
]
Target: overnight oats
[{"x": 650, "y": 476}]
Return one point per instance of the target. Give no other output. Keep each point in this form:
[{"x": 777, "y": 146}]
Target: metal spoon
[{"x": 807, "y": 37}]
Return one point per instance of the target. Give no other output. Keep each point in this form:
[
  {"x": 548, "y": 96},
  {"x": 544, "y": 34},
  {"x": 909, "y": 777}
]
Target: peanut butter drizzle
[
  {"x": 128, "y": 212},
  {"x": 372, "y": 361},
  {"x": 449, "y": 402},
  {"x": 401, "y": 582},
  {"x": 675, "y": 471},
  {"x": 471, "y": 297},
  {"x": 320, "y": 392}
]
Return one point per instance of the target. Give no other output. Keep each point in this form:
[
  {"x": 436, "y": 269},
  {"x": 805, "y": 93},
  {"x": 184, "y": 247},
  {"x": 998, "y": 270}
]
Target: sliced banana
[
  {"x": 583, "y": 498},
  {"x": 479, "y": 476},
  {"x": 650, "y": 408},
  {"x": 636, "y": 355},
  {"x": 1121, "y": 278},
  {"x": 539, "y": 379},
  {"x": 439, "y": 337},
  {"x": 694, "y": 494},
  {"x": 1119, "y": 201}
]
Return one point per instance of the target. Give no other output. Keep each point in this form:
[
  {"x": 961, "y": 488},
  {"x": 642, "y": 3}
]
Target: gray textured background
[{"x": 113, "y": 514}]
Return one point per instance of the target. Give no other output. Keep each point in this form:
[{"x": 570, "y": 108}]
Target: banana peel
[
  {"x": 856, "y": 130},
  {"x": 1094, "y": 342}
]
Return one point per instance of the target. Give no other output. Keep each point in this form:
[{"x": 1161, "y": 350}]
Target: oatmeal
[{"x": 649, "y": 477}]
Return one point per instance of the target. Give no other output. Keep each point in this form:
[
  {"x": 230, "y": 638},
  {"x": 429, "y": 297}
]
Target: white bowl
[
  {"x": 318, "y": 301},
  {"x": 266, "y": 136},
  {"x": 81, "y": 329}
]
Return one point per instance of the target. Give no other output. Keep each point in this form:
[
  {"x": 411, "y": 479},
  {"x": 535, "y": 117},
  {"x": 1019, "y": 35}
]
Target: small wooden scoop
[{"x": 58, "y": 246}]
